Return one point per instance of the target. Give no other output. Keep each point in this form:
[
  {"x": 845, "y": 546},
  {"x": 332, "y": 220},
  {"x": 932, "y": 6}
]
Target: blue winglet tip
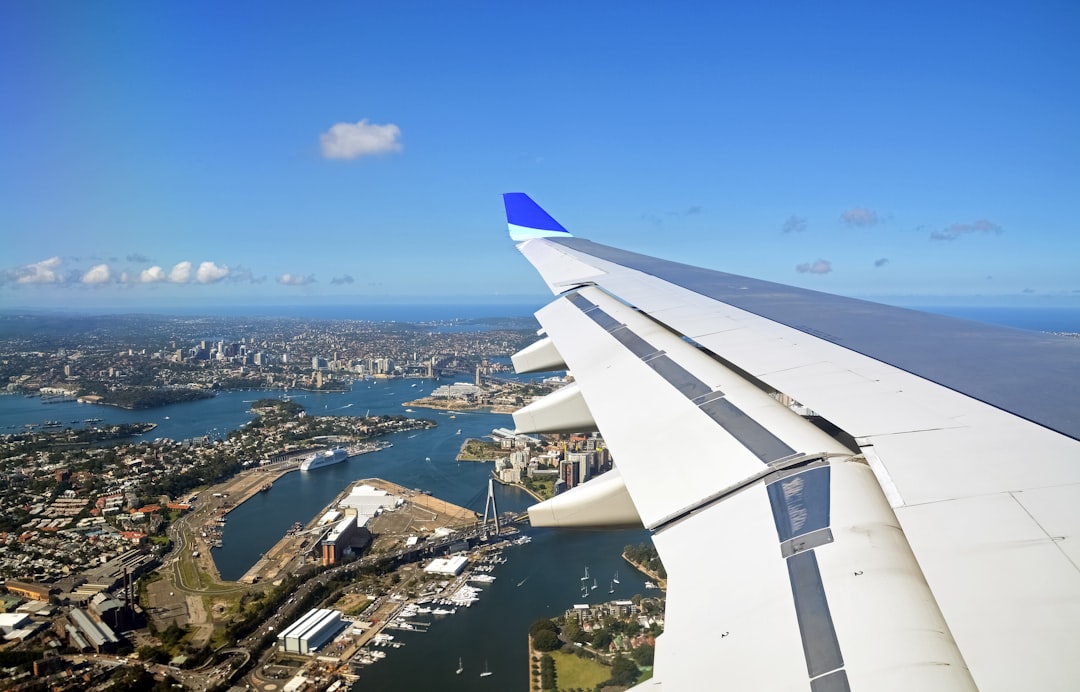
[{"x": 526, "y": 219}]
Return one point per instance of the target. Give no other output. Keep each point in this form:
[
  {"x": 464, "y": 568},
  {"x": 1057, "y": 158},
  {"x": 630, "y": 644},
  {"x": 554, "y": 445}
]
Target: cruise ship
[{"x": 325, "y": 458}]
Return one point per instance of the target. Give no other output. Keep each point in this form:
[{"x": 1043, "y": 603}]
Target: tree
[
  {"x": 623, "y": 671},
  {"x": 643, "y": 655},
  {"x": 572, "y": 630},
  {"x": 542, "y": 625},
  {"x": 601, "y": 639},
  {"x": 546, "y": 640},
  {"x": 547, "y": 673}
]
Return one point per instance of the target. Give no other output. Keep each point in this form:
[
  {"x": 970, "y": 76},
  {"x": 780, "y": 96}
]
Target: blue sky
[{"x": 160, "y": 154}]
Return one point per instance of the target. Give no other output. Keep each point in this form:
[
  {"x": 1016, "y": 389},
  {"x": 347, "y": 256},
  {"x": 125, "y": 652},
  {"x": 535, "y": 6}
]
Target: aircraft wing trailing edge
[{"x": 845, "y": 495}]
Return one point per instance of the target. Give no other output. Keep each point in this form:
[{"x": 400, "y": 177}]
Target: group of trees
[
  {"x": 547, "y": 636},
  {"x": 142, "y": 397},
  {"x": 645, "y": 554}
]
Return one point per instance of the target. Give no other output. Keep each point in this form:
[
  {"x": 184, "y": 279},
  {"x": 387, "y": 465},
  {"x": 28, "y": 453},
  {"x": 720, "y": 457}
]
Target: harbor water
[{"x": 539, "y": 579}]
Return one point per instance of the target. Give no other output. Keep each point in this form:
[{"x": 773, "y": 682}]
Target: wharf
[{"x": 431, "y": 513}]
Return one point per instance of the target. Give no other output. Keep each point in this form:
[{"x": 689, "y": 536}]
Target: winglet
[{"x": 527, "y": 220}]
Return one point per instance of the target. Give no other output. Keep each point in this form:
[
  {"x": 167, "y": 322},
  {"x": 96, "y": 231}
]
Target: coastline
[
  {"x": 660, "y": 582},
  {"x": 519, "y": 486}
]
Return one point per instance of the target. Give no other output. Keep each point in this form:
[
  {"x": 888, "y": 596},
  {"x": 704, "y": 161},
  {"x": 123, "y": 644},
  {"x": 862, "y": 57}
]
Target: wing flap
[
  {"x": 1004, "y": 585},
  {"x": 850, "y": 613}
]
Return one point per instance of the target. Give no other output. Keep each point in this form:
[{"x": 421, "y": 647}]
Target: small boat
[
  {"x": 594, "y": 583},
  {"x": 458, "y": 431},
  {"x": 427, "y": 458},
  {"x": 612, "y": 589},
  {"x": 459, "y": 666},
  {"x": 616, "y": 577},
  {"x": 486, "y": 671}
]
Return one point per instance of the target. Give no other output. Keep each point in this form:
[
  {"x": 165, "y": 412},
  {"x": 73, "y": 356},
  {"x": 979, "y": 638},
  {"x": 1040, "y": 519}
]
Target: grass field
[{"x": 572, "y": 672}]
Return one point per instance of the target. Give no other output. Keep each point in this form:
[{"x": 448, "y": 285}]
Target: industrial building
[
  {"x": 311, "y": 632},
  {"x": 86, "y": 634},
  {"x": 367, "y": 501},
  {"x": 450, "y": 566},
  {"x": 351, "y": 533}
]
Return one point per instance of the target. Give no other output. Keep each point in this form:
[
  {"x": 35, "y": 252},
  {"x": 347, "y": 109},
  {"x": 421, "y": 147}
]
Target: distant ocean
[
  {"x": 1040, "y": 319},
  {"x": 1047, "y": 319}
]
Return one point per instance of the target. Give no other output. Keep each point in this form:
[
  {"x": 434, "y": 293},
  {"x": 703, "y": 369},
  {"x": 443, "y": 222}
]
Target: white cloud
[
  {"x": 153, "y": 275},
  {"x": 98, "y": 274},
  {"x": 209, "y": 273},
  {"x": 794, "y": 224},
  {"x": 860, "y": 216},
  {"x": 43, "y": 272},
  {"x": 181, "y": 273},
  {"x": 959, "y": 230},
  {"x": 295, "y": 279},
  {"x": 353, "y": 140},
  {"x": 819, "y": 266}
]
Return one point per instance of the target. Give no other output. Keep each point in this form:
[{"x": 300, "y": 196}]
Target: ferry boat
[{"x": 325, "y": 458}]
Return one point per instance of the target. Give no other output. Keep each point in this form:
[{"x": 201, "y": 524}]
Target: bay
[{"x": 540, "y": 579}]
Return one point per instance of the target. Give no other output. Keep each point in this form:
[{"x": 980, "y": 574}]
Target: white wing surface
[{"x": 915, "y": 528}]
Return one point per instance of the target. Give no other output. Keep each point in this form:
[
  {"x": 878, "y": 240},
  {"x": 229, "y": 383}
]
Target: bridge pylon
[{"x": 490, "y": 502}]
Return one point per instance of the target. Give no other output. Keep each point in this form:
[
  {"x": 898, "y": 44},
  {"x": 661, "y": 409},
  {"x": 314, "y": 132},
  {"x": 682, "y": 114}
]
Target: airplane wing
[{"x": 845, "y": 495}]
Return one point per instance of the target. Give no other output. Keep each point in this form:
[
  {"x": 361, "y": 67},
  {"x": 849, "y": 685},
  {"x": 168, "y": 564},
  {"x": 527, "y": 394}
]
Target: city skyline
[{"x": 164, "y": 156}]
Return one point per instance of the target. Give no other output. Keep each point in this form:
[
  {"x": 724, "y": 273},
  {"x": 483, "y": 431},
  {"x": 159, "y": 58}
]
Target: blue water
[
  {"x": 256, "y": 525},
  {"x": 1042, "y": 319},
  {"x": 494, "y": 629}
]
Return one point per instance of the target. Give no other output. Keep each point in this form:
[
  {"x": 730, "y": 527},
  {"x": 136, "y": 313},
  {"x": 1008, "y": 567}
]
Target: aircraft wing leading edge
[{"x": 923, "y": 543}]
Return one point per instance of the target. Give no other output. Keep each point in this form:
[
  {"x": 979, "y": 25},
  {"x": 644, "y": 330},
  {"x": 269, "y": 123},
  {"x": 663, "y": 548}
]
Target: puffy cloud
[
  {"x": 794, "y": 224},
  {"x": 210, "y": 273},
  {"x": 860, "y": 216},
  {"x": 181, "y": 273},
  {"x": 344, "y": 279},
  {"x": 152, "y": 275},
  {"x": 819, "y": 266},
  {"x": 959, "y": 230},
  {"x": 881, "y": 262},
  {"x": 43, "y": 272},
  {"x": 295, "y": 279},
  {"x": 353, "y": 140},
  {"x": 98, "y": 274}
]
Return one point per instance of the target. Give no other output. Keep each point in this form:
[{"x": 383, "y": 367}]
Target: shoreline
[
  {"x": 661, "y": 583},
  {"x": 519, "y": 486}
]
